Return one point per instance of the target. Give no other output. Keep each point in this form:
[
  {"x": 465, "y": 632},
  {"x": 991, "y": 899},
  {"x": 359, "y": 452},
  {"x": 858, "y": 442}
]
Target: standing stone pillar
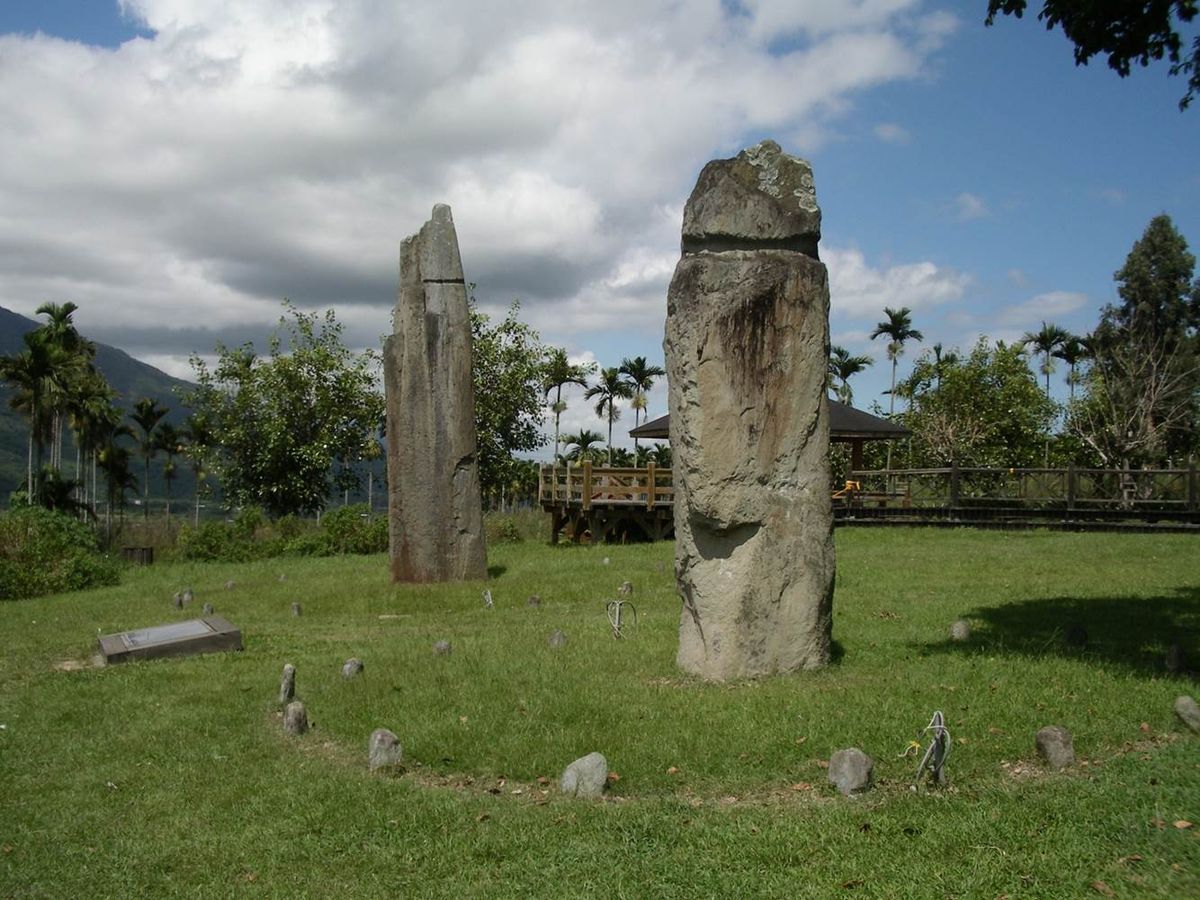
[
  {"x": 435, "y": 507},
  {"x": 747, "y": 348}
]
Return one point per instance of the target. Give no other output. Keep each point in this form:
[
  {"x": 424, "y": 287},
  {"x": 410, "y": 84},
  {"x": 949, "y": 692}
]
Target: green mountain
[{"x": 131, "y": 380}]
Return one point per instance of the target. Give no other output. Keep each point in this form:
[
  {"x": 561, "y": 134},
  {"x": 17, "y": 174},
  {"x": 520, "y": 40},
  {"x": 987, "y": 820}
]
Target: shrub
[
  {"x": 45, "y": 552},
  {"x": 350, "y": 530},
  {"x": 213, "y": 542}
]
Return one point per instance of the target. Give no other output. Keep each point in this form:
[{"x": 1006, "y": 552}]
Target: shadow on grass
[
  {"x": 495, "y": 571},
  {"x": 1131, "y": 632}
]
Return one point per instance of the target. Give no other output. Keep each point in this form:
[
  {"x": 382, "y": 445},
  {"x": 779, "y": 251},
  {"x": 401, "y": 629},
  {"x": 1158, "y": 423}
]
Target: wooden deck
[{"x": 595, "y": 503}]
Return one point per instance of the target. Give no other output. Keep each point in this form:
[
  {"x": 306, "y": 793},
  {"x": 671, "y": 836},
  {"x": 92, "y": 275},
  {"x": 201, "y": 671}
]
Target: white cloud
[
  {"x": 179, "y": 186},
  {"x": 858, "y": 290},
  {"x": 891, "y": 133},
  {"x": 969, "y": 206},
  {"x": 1047, "y": 307}
]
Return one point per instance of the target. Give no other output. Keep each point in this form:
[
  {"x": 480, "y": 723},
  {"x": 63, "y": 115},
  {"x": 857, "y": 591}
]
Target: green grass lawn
[{"x": 173, "y": 777}]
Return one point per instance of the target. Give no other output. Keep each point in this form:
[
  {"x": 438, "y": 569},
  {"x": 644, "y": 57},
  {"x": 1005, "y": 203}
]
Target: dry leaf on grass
[
  {"x": 1101, "y": 888},
  {"x": 1182, "y": 824}
]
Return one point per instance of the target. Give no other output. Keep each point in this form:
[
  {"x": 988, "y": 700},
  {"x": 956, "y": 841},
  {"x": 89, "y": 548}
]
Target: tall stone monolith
[
  {"x": 747, "y": 347},
  {"x": 435, "y": 510}
]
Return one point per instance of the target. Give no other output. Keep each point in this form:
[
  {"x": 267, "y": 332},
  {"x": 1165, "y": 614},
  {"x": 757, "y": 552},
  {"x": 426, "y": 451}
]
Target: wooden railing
[{"x": 586, "y": 485}]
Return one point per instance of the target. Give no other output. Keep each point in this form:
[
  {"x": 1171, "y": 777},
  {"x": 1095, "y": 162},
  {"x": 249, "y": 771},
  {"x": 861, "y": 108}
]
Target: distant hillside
[{"x": 130, "y": 378}]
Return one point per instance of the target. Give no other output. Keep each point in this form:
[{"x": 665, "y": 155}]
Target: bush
[
  {"x": 45, "y": 552},
  {"x": 350, "y": 530},
  {"x": 215, "y": 542},
  {"x": 343, "y": 530}
]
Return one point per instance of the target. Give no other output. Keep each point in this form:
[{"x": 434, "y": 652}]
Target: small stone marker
[
  {"x": 626, "y": 589},
  {"x": 287, "y": 685},
  {"x": 177, "y": 600},
  {"x": 297, "y": 609},
  {"x": 187, "y": 596},
  {"x": 606, "y": 560},
  {"x": 851, "y": 770},
  {"x": 488, "y": 602},
  {"x": 295, "y": 718},
  {"x": 535, "y": 600},
  {"x": 442, "y": 648},
  {"x": 282, "y": 577},
  {"x": 1188, "y": 711},
  {"x": 1075, "y": 635},
  {"x": 208, "y": 609},
  {"x": 557, "y": 639},
  {"x": 586, "y": 777},
  {"x": 960, "y": 631},
  {"x": 229, "y": 585},
  {"x": 384, "y": 750},
  {"x": 1176, "y": 659},
  {"x": 1055, "y": 746},
  {"x": 352, "y": 668}
]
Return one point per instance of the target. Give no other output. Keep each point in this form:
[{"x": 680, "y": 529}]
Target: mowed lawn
[{"x": 173, "y": 778}]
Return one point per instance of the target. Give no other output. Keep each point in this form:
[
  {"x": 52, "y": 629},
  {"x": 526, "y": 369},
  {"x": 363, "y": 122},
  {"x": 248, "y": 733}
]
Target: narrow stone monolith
[
  {"x": 435, "y": 507},
  {"x": 295, "y": 718},
  {"x": 287, "y": 685},
  {"x": 1055, "y": 745},
  {"x": 384, "y": 751},
  {"x": 747, "y": 347}
]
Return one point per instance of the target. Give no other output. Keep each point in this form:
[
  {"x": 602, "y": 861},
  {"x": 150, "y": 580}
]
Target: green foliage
[
  {"x": 1127, "y": 32},
  {"x": 47, "y": 552},
  {"x": 984, "y": 409},
  {"x": 250, "y": 536},
  {"x": 281, "y": 423},
  {"x": 349, "y": 529},
  {"x": 509, "y": 370}
]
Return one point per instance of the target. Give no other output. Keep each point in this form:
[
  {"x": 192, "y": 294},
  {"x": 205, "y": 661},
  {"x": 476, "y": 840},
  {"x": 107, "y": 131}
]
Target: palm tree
[
  {"x": 1045, "y": 342},
  {"x": 559, "y": 373},
  {"x": 941, "y": 361},
  {"x": 584, "y": 444},
  {"x": 640, "y": 375},
  {"x": 113, "y": 460},
  {"x": 843, "y": 366},
  {"x": 36, "y": 372},
  {"x": 1073, "y": 350},
  {"x": 77, "y": 356},
  {"x": 170, "y": 442},
  {"x": 88, "y": 408},
  {"x": 898, "y": 329},
  {"x": 146, "y": 415},
  {"x": 608, "y": 390}
]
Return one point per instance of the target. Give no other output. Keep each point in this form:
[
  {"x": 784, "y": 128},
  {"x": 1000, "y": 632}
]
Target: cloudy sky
[{"x": 178, "y": 167}]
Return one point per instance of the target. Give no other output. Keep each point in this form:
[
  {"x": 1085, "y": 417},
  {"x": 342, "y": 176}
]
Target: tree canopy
[{"x": 1128, "y": 33}]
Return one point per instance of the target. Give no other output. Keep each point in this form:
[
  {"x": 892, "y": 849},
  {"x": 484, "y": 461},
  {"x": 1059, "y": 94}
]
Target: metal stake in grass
[
  {"x": 488, "y": 602},
  {"x": 616, "y": 612},
  {"x": 937, "y": 752}
]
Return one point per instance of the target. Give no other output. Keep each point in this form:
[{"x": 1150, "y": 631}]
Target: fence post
[
  {"x": 1193, "y": 488},
  {"x": 1072, "y": 481},
  {"x": 651, "y": 485},
  {"x": 587, "y": 484},
  {"x": 954, "y": 484}
]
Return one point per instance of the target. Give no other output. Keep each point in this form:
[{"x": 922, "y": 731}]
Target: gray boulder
[
  {"x": 442, "y": 648},
  {"x": 295, "y": 718},
  {"x": 352, "y": 668},
  {"x": 208, "y": 609},
  {"x": 1055, "y": 746},
  {"x": 746, "y": 347},
  {"x": 1188, "y": 711},
  {"x": 384, "y": 750},
  {"x": 534, "y": 600},
  {"x": 960, "y": 631},
  {"x": 586, "y": 777},
  {"x": 557, "y": 639},
  {"x": 851, "y": 770},
  {"x": 287, "y": 685}
]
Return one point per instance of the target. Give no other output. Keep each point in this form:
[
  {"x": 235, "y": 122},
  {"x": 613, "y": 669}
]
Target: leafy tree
[
  {"x": 1143, "y": 387},
  {"x": 1127, "y": 32},
  {"x": 509, "y": 366},
  {"x": 987, "y": 411},
  {"x": 843, "y": 367},
  {"x": 283, "y": 421},
  {"x": 584, "y": 445},
  {"x": 1046, "y": 342},
  {"x": 147, "y": 414},
  {"x": 640, "y": 376},
  {"x": 199, "y": 449},
  {"x": 610, "y": 388},
  {"x": 560, "y": 372}
]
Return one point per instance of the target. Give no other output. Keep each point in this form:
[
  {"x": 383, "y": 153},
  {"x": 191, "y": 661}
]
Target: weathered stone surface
[
  {"x": 208, "y": 609},
  {"x": 1188, "y": 711},
  {"x": 960, "y": 630},
  {"x": 297, "y": 609},
  {"x": 442, "y": 648},
  {"x": 287, "y": 685},
  {"x": 295, "y": 718},
  {"x": 851, "y": 770},
  {"x": 626, "y": 589},
  {"x": 384, "y": 750},
  {"x": 177, "y": 600},
  {"x": 586, "y": 777},
  {"x": 761, "y": 198},
  {"x": 229, "y": 585},
  {"x": 747, "y": 345},
  {"x": 352, "y": 668},
  {"x": 435, "y": 511},
  {"x": 187, "y": 596},
  {"x": 1055, "y": 746},
  {"x": 535, "y": 600},
  {"x": 557, "y": 639}
]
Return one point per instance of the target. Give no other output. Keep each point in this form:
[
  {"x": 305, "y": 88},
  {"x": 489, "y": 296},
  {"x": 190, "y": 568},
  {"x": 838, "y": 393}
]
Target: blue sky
[{"x": 178, "y": 167}]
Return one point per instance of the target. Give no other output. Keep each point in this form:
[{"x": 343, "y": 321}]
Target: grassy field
[{"x": 172, "y": 778}]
